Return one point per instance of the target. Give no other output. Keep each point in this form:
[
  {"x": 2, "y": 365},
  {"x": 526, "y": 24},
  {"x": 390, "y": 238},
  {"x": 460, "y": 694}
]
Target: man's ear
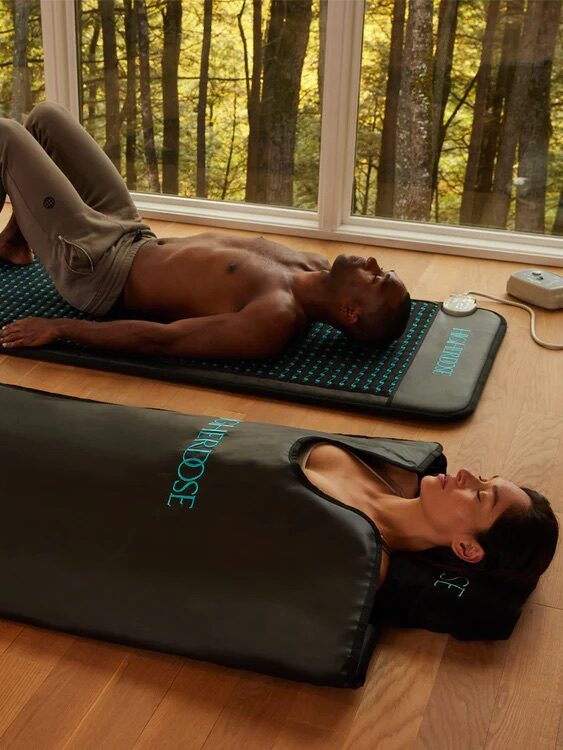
[
  {"x": 468, "y": 549},
  {"x": 349, "y": 314}
]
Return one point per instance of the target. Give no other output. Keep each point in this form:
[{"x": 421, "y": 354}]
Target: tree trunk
[
  {"x": 369, "y": 170},
  {"x": 21, "y": 84},
  {"x": 558, "y": 223},
  {"x": 447, "y": 25},
  {"x": 254, "y": 104},
  {"x": 111, "y": 82},
  {"x": 146, "y": 101},
  {"x": 413, "y": 171},
  {"x": 172, "y": 29},
  {"x": 482, "y": 98},
  {"x": 284, "y": 55},
  {"x": 240, "y": 25},
  {"x": 535, "y": 127},
  {"x": 131, "y": 96},
  {"x": 496, "y": 210},
  {"x": 226, "y": 179},
  {"x": 201, "y": 180},
  {"x": 323, "y": 13},
  {"x": 496, "y": 104},
  {"x": 92, "y": 66},
  {"x": 384, "y": 205}
]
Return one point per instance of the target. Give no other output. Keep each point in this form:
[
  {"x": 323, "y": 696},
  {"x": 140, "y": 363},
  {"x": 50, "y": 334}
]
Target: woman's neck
[
  {"x": 401, "y": 522},
  {"x": 344, "y": 476}
]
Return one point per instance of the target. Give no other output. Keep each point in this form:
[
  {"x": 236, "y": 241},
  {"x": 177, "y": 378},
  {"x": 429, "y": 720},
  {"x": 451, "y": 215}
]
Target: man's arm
[{"x": 259, "y": 330}]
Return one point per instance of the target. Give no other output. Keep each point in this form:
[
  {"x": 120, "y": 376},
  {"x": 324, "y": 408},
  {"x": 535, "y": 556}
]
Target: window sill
[{"x": 435, "y": 238}]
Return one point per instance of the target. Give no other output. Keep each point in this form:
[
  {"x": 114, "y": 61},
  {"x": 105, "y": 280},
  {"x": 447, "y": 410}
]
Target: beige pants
[{"x": 71, "y": 205}]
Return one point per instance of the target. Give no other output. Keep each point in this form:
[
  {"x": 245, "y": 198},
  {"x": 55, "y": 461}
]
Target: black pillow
[{"x": 469, "y": 605}]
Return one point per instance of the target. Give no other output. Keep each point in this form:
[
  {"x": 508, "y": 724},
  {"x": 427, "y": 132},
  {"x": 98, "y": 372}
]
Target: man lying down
[
  {"x": 210, "y": 295},
  {"x": 281, "y": 550}
]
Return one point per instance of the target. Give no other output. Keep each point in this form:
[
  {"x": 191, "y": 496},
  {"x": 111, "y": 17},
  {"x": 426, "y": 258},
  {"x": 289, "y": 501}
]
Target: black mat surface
[{"x": 322, "y": 367}]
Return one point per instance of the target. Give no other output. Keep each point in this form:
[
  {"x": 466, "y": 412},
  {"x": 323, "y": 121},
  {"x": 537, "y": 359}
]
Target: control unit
[{"x": 542, "y": 288}]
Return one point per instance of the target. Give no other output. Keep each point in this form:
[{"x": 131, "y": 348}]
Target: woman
[
  {"x": 253, "y": 545},
  {"x": 492, "y": 523}
]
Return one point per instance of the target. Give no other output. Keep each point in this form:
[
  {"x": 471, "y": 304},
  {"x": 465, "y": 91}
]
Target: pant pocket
[{"x": 76, "y": 258}]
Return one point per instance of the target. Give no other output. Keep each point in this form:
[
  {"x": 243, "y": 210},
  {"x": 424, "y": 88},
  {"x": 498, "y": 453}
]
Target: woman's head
[
  {"x": 491, "y": 523},
  {"x": 521, "y": 545}
]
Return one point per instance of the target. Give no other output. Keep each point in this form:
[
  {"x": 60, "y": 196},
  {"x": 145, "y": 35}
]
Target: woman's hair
[{"x": 518, "y": 546}]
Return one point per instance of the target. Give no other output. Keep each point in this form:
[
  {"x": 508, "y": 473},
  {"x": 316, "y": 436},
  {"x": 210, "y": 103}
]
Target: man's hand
[{"x": 29, "y": 332}]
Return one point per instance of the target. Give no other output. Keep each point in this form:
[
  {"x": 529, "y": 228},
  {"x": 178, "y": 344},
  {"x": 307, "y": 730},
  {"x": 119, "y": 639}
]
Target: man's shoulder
[
  {"x": 276, "y": 308},
  {"x": 277, "y": 303}
]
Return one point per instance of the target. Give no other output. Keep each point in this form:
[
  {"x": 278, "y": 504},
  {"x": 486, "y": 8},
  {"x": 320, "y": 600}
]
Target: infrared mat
[{"x": 436, "y": 370}]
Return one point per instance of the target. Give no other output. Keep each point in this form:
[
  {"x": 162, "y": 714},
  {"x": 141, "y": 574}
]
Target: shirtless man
[{"x": 208, "y": 295}]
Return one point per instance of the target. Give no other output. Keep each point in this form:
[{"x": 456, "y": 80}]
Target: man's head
[{"x": 367, "y": 303}]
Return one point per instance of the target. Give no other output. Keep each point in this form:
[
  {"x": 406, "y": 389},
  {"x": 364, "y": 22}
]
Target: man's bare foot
[
  {"x": 13, "y": 247},
  {"x": 17, "y": 253}
]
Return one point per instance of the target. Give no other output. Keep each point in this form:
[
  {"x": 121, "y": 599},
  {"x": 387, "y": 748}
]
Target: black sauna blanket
[{"x": 201, "y": 536}]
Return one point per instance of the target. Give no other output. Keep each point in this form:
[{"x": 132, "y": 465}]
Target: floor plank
[
  {"x": 530, "y": 696},
  {"x": 24, "y": 666},
  {"x": 119, "y": 715},
  {"x": 462, "y": 701}
]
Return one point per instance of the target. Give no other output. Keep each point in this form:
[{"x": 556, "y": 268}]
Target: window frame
[{"x": 333, "y": 219}]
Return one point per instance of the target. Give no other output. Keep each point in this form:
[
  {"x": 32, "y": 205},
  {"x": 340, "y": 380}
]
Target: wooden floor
[{"x": 424, "y": 690}]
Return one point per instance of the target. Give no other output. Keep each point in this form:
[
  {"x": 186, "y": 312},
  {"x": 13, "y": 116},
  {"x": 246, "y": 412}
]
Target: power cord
[{"x": 532, "y": 318}]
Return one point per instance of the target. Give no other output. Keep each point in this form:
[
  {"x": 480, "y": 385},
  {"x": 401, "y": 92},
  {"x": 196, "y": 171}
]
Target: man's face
[{"x": 362, "y": 282}]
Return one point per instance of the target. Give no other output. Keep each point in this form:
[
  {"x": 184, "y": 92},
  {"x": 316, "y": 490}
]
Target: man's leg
[
  {"x": 81, "y": 159},
  {"x": 85, "y": 164},
  {"x": 70, "y": 238}
]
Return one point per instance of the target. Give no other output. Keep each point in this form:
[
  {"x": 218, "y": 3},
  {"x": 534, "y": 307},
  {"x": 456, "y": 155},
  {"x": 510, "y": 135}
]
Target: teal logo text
[
  {"x": 194, "y": 458},
  {"x": 452, "y": 351},
  {"x": 457, "y": 584}
]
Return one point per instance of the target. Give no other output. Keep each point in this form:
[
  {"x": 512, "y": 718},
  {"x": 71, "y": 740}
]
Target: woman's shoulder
[{"x": 323, "y": 455}]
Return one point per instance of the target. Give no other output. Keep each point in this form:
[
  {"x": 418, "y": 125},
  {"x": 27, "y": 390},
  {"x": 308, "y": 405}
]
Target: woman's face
[{"x": 463, "y": 505}]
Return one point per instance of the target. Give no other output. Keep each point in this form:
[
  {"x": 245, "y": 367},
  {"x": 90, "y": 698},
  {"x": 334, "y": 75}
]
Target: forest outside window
[
  {"x": 457, "y": 128},
  {"x": 460, "y": 118},
  {"x": 215, "y": 99},
  {"x": 21, "y": 57}
]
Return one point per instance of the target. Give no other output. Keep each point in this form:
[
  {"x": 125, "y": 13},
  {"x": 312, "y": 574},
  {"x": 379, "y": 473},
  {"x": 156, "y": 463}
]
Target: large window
[
  {"x": 461, "y": 117},
  {"x": 215, "y": 98},
  {"x": 410, "y": 123},
  {"x": 21, "y": 57}
]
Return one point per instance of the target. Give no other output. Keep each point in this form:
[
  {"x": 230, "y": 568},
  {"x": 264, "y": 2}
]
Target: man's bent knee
[
  {"x": 43, "y": 114},
  {"x": 10, "y": 130}
]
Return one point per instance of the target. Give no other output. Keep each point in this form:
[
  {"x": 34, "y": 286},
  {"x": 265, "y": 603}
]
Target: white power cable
[{"x": 532, "y": 318}]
